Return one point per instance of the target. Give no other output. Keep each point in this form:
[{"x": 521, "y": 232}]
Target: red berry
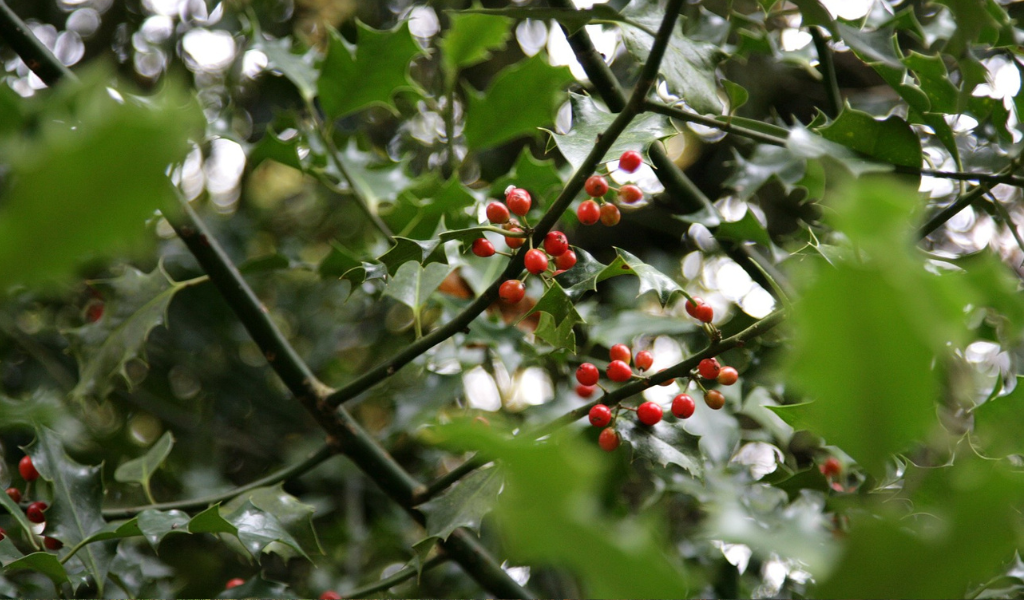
[
  {"x": 585, "y": 391},
  {"x": 608, "y": 440},
  {"x": 588, "y": 212},
  {"x": 497, "y": 213},
  {"x": 714, "y": 399},
  {"x": 709, "y": 368},
  {"x": 34, "y": 512},
  {"x": 644, "y": 360},
  {"x": 630, "y": 161},
  {"x": 619, "y": 371},
  {"x": 600, "y": 416},
  {"x": 705, "y": 313},
  {"x": 566, "y": 260},
  {"x": 728, "y": 376},
  {"x": 610, "y": 215},
  {"x": 831, "y": 467},
  {"x": 233, "y": 583},
  {"x": 515, "y": 242},
  {"x": 555, "y": 243},
  {"x": 596, "y": 186},
  {"x": 3, "y": 533},
  {"x": 630, "y": 194},
  {"x": 511, "y": 291},
  {"x": 620, "y": 352},
  {"x": 691, "y": 307},
  {"x": 14, "y": 494},
  {"x": 330, "y": 595},
  {"x": 649, "y": 413},
  {"x": 558, "y": 271},
  {"x": 483, "y": 247},
  {"x": 94, "y": 311},
  {"x": 587, "y": 374},
  {"x": 27, "y": 469},
  {"x": 52, "y": 544},
  {"x": 536, "y": 261},
  {"x": 518, "y": 201},
  {"x": 683, "y": 406}
]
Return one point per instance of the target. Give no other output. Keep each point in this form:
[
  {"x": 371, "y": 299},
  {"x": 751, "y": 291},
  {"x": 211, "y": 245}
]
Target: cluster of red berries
[
  {"x": 35, "y": 511},
  {"x": 591, "y": 211},
  {"x": 556, "y": 255},
  {"x": 237, "y": 581}
]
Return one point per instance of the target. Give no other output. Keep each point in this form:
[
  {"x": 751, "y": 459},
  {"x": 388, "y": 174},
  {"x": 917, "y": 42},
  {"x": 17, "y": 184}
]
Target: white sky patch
[
  {"x": 532, "y": 387},
  {"x": 210, "y": 51},
  {"x": 848, "y": 9},
  {"x": 481, "y": 390}
]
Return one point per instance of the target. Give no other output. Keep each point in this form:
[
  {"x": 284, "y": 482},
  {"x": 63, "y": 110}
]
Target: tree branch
[
  {"x": 35, "y": 54},
  {"x": 389, "y": 582},
  {"x": 951, "y": 211},
  {"x": 828, "y": 72}
]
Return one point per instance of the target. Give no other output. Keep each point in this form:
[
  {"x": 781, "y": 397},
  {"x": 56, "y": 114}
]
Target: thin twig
[
  {"x": 828, "y": 72},
  {"x": 448, "y": 479},
  {"x": 35, "y": 54},
  {"x": 393, "y": 580},
  {"x": 951, "y": 211}
]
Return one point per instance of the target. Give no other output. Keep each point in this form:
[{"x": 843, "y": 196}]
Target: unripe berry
[
  {"x": 620, "y": 352},
  {"x": 94, "y": 311},
  {"x": 649, "y": 413},
  {"x": 619, "y": 371},
  {"x": 483, "y": 247},
  {"x": 714, "y": 399},
  {"x": 566, "y": 260},
  {"x": 515, "y": 242},
  {"x": 691, "y": 307},
  {"x": 600, "y": 416},
  {"x": 497, "y": 213},
  {"x": 630, "y": 194},
  {"x": 536, "y": 261},
  {"x": 52, "y": 544},
  {"x": 608, "y": 440},
  {"x": 233, "y": 583},
  {"x": 683, "y": 406},
  {"x": 644, "y": 360},
  {"x": 587, "y": 374},
  {"x": 511, "y": 291},
  {"x": 518, "y": 201},
  {"x": 630, "y": 161},
  {"x": 34, "y": 512},
  {"x": 330, "y": 595},
  {"x": 596, "y": 186},
  {"x": 27, "y": 469},
  {"x": 705, "y": 313},
  {"x": 555, "y": 243},
  {"x": 14, "y": 494},
  {"x": 728, "y": 376},
  {"x": 831, "y": 467},
  {"x": 3, "y": 534},
  {"x": 588, "y": 212},
  {"x": 585, "y": 391},
  {"x": 709, "y": 368},
  {"x": 610, "y": 215}
]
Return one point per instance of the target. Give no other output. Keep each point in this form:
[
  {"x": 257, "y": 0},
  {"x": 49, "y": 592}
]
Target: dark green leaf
[
  {"x": 377, "y": 181},
  {"x": 978, "y": 22},
  {"x": 464, "y": 505},
  {"x": 539, "y": 177},
  {"x": 412, "y": 285},
  {"x": 294, "y": 515},
  {"x": 298, "y": 68},
  {"x": 871, "y": 46},
  {"x": 891, "y": 140},
  {"x": 137, "y": 305},
  {"x": 932, "y": 77},
  {"x": 748, "y": 228},
  {"x": 662, "y": 444},
  {"x": 737, "y": 95},
  {"x": 765, "y": 163},
  {"x": 558, "y": 305},
  {"x": 651, "y": 279},
  {"x": 258, "y": 529},
  {"x": 353, "y": 78},
  {"x": 155, "y": 525},
  {"x": 589, "y": 121},
  {"x": 555, "y": 334},
  {"x": 500, "y": 114},
  {"x": 471, "y": 37},
  {"x": 141, "y": 469},
  {"x": 588, "y": 272},
  {"x": 813, "y": 13},
  {"x": 41, "y": 409},
  {"x": 405, "y": 250},
  {"x": 793, "y": 483},
  {"x": 626, "y": 324},
  {"x": 46, "y": 563},
  {"x": 688, "y": 66},
  {"x": 271, "y": 147},
  {"x": 418, "y": 211}
]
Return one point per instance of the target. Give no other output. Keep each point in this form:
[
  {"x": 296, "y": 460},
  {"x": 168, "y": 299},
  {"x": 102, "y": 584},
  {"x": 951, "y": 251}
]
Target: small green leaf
[
  {"x": 738, "y": 96},
  {"x": 418, "y": 211},
  {"x": 662, "y": 444},
  {"x": 813, "y": 13},
  {"x": 272, "y": 147},
  {"x": 298, "y": 68},
  {"x": 464, "y": 505},
  {"x": 137, "y": 305},
  {"x": 688, "y": 66},
  {"x": 555, "y": 334},
  {"x": 588, "y": 272},
  {"x": 500, "y": 115},
  {"x": 353, "y": 78},
  {"x": 764, "y": 164},
  {"x": 539, "y": 177},
  {"x": 651, "y": 279},
  {"x": 294, "y": 515},
  {"x": 141, "y": 469},
  {"x": 890, "y": 140},
  {"x": 792, "y": 483},
  {"x": 933, "y": 79},
  {"x": 747, "y": 228},
  {"x": 558, "y": 306},
  {"x": 46, "y": 563},
  {"x": 998, "y": 422},
  {"x": 412, "y": 285},
  {"x": 405, "y": 250},
  {"x": 377, "y": 181},
  {"x": 255, "y": 529},
  {"x": 155, "y": 525},
  {"x": 471, "y": 37},
  {"x": 589, "y": 122}
]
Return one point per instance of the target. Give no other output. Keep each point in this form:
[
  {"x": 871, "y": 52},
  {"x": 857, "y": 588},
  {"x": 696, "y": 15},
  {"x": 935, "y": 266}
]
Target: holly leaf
[
  {"x": 746, "y": 228},
  {"x": 155, "y": 525},
  {"x": 377, "y": 181},
  {"x": 463, "y": 505},
  {"x": 557, "y": 330},
  {"x": 298, "y": 68},
  {"x": 141, "y": 469},
  {"x": 688, "y": 66},
  {"x": 419, "y": 210},
  {"x": 470, "y": 39},
  {"x": 890, "y": 140},
  {"x": 589, "y": 122},
  {"x": 46, "y": 563},
  {"x": 255, "y": 529},
  {"x": 272, "y": 147},
  {"x": 42, "y": 408},
  {"x": 540, "y": 177},
  {"x": 137, "y": 305},
  {"x": 406, "y": 250},
  {"x": 413, "y": 284},
  {"x": 19, "y": 516},
  {"x": 584, "y": 276},
  {"x": 555, "y": 334},
  {"x": 933, "y": 79},
  {"x": 369, "y": 73},
  {"x": 792, "y": 483},
  {"x": 75, "y": 512},
  {"x": 295, "y": 516},
  {"x": 997, "y": 423},
  {"x": 651, "y": 279},
  {"x": 662, "y": 444},
  {"x": 764, "y": 164},
  {"x": 500, "y": 115}
]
